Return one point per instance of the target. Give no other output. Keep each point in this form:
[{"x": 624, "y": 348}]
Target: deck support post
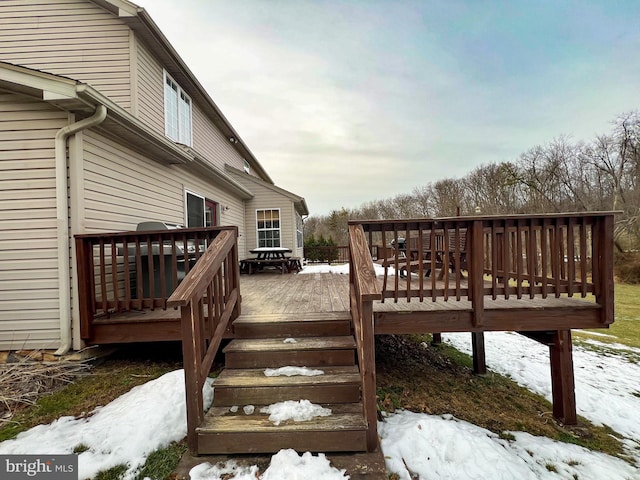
[
  {"x": 479, "y": 359},
  {"x": 436, "y": 339},
  {"x": 562, "y": 380}
]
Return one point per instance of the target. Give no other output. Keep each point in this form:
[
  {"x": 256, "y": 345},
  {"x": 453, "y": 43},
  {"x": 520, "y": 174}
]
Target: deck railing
[
  {"x": 209, "y": 299},
  {"x": 125, "y": 271},
  {"x": 363, "y": 290},
  {"x": 327, "y": 254},
  {"x": 515, "y": 256}
]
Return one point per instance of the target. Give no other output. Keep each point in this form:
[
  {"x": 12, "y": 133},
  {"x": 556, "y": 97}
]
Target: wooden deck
[
  {"x": 275, "y": 294},
  {"x": 269, "y": 294}
]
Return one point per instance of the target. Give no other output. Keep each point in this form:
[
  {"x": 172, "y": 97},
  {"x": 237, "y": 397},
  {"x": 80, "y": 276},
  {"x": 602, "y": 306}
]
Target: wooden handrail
[
  {"x": 363, "y": 290},
  {"x": 209, "y": 298}
]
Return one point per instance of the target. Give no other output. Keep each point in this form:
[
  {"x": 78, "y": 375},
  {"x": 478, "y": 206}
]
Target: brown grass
[{"x": 439, "y": 380}]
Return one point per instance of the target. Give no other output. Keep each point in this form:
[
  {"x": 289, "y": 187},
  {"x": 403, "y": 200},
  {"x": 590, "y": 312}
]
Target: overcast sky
[{"x": 345, "y": 102}]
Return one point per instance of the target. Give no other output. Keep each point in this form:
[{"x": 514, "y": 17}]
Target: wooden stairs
[{"x": 323, "y": 341}]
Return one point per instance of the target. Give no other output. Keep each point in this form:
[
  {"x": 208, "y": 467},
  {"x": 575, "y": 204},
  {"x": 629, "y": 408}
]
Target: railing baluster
[
  {"x": 103, "y": 277},
  {"x": 544, "y": 235},
  {"x": 114, "y": 274},
  {"x": 571, "y": 267},
  {"x": 583, "y": 257}
]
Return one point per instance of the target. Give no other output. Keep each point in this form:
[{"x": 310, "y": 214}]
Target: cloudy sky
[{"x": 345, "y": 101}]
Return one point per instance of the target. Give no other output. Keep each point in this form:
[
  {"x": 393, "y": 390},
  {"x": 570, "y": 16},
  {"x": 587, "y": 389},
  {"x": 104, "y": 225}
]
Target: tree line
[{"x": 562, "y": 176}]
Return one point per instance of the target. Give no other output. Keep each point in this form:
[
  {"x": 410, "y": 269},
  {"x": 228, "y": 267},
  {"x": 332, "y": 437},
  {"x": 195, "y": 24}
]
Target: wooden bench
[
  {"x": 251, "y": 265},
  {"x": 294, "y": 264}
]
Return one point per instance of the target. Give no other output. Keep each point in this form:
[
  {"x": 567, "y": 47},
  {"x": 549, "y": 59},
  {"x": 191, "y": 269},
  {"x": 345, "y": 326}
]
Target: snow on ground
[
  {"x": 435, "y": 447},
  {"x": 415, "y": 445},
  {"x": 607, "y": 383},
  {"x": 285, "y": 465},
  {"x": 291, "y": 371},
  {"x": 298, "y": 411},
  {"x": 341, "y": 269},
  {"x": 125, "y": 431},
  {"x": 443, "y": 447}
]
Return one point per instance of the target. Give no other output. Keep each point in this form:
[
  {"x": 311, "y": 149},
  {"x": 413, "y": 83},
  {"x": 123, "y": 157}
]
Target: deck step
[
  {"x": 293, "y": 325},
  {"x": 226, "y": 432},
  {"x": 251, "y": 386},
  {"x": 277, "y": 352}
]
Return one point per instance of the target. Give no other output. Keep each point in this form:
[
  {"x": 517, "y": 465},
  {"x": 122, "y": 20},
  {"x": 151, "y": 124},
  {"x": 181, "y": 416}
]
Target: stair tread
[
  {"x": 343, "y": 417},
  {"x": 255, "y": 377},
  {"x": 278, "y": 344},
  {"x": 293, "y": 317}
]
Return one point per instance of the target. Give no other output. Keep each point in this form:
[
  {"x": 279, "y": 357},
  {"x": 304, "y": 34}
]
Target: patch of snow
[
  {"x": 248, "y": 409},
  {"x": 427, "y": 446},
  {"x": 290, "y": 371},
  {"x": 206, "y": 471},
  {"x": 290, "y": 340},
  {"x": 287, "y": 464},
  {"x": 125, "y": 431},
  {"x": 298, "y": 411},
  {"x": 606, "y": 383},
  {"x": 595, "y": 334},
  {"x": 341, "y": 269}
]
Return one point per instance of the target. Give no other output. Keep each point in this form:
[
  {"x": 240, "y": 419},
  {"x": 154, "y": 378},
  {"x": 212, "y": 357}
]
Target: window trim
[
  {"x": 179, "y": 138},
  {"x": 258, "y": 230}
]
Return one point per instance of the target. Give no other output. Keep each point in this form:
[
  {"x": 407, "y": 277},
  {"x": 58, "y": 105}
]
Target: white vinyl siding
[
  {"x": 149, "y": 88},
  {"x": 267, "y": 198},
  {"x": 29, "y": 309},
  {"x": 73, "y": 38},
  {"x": 123, "y": 188},
  {"x": 211, "y": 143}
]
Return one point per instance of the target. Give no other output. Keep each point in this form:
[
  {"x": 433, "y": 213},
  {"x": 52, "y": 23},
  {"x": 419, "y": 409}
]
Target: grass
[
  {"x": 626, "y": 328},
  {"x": 442, "y": 381},
  {"x": 108, "y": 380}
]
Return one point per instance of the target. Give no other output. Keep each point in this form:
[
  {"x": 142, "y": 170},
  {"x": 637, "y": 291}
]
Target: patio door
[{"x": 201, "y": 211}]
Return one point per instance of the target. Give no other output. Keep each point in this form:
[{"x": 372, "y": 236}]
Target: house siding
[
  {"x": 29, "y": 307},
  {"x": 123, "y": 188},
  {"x": 149, "y": 89},
  {"x": 268, "y": 199},
  {"x": 73, "y": 38},
  {"x": 208, "y": 140}
]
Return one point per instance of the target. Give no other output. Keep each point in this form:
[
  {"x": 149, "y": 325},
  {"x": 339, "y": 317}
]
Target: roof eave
[{"x": 146, "y": 28}]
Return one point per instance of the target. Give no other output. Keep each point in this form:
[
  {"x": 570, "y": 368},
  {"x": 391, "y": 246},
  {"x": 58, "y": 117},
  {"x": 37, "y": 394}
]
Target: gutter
[{"x": 62, "y": 221}]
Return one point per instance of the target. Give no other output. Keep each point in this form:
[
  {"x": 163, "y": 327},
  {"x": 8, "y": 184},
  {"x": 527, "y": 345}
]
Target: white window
[
  {"x": 247, "y": 167},
  {"x": 177, "y": 112},
  {"x": 268, "y": 227}
]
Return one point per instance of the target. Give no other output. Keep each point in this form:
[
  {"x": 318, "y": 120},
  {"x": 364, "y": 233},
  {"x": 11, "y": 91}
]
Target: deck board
[{"x": 299, "y": 294}]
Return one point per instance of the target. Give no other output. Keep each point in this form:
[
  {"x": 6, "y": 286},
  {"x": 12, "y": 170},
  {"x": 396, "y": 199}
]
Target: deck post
[
  {"x": 562, "y": 380},
  {"x": 191, "y": 341},
  {"x": 476, "y": 272},
  {"x": 369, "y": 381},
  {"x": 436, "y": 339},
  {"x": 479, "y": 359}
]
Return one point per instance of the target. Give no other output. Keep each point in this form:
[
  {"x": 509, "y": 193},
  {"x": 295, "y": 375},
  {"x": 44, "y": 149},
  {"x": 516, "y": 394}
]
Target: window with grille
[
  {"x": 268, "y": 222},
  {"x": 177, "y": 112}
]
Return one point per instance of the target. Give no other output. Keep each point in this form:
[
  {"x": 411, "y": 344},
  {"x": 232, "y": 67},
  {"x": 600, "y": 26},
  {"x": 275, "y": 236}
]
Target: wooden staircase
[{"x": 322, "y": 341}]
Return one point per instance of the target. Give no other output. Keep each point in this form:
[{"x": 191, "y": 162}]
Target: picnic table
[{"x": 267, "y": 257}]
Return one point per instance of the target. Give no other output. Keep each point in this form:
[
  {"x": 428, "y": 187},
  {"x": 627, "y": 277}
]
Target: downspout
[{"x": 62, "y": 221}]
